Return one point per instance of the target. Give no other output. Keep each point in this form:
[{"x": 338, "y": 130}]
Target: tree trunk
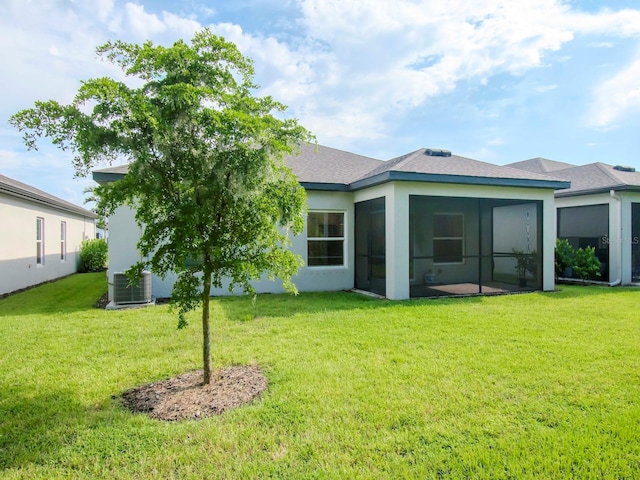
[{"x": 206, "y": 333}]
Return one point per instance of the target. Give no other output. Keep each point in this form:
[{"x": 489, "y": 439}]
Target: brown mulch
[
  {"x": 185, "y": 397},
  {"x": 103, "y": 301}
]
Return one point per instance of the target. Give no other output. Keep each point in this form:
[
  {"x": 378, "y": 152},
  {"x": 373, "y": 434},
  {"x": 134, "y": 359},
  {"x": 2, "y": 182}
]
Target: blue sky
[{"x": 495, "y": 80}]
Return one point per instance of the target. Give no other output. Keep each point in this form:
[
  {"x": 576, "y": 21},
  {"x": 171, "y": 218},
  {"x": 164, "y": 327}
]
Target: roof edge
[
  {"x": 42, "y": 200},
  {"x": 461, "y": 179},
  {"x": 327, "y": 187},
  {"x": 594, "y": 191},
  {"x": 106, "y": 177}
]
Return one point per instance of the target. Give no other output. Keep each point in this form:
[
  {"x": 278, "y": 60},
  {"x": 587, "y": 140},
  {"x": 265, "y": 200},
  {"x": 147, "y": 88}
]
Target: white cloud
[
  {"x": 352, "y": 68},
  {"x": 143, "y": 25},
  {"x": 388, "y": 57},
  {"x": 496, "y": 141},
  {"x": 601, "y": 45},
  {"x": 8, "y": 160},
  {"x": 545, "y": 88},
  {"x": 103, "y": 8},
  {"x": 620, "y": 23},
  {"x": 616, "y": 97}
]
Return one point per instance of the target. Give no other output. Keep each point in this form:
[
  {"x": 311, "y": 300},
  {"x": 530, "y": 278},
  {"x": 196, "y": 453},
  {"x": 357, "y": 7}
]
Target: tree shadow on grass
[
  {"x": 575, "y": 291},
  {"x": 56, "y": 431},
  {"x": 34, "y": 428},
  {"x": 244, "y": 308}
]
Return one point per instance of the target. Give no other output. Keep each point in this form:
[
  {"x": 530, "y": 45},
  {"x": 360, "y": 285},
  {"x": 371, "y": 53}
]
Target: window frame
[
  {"x": 40, "y": 255},
  {"x": 342, "y": 239},
  {"x": 450, "y": 238},
  {"x": 63, "y": 241}
]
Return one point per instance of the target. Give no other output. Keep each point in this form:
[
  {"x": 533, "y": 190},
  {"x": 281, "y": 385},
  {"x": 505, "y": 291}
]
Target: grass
[{"x": 521, "y": 386}]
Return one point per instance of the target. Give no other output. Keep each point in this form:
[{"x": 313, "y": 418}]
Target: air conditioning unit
[{"x": 123, "y": 293}]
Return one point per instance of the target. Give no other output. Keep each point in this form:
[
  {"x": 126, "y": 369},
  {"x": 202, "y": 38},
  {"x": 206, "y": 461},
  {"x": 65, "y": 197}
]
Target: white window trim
[
  {"x": 63, "y": 241},
  {"x": 450, "y": 238},
  {"x": 40, "y": 242},
  {"x": 343, "y": 239}
]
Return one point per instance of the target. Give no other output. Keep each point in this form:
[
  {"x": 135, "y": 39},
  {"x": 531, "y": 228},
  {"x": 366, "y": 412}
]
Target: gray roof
[
  {"x": 540, "y": 165},
  {"x": 466, "y": 169},
  {"x": 21, "y": 190},
  {"x": 586, "y": 179},
  {"x": 597, "y": 177},
  {"x": 319, "y": 164},
  {"x": 324, "y": 168},
  {"x": 314, "y": 164},
  {"x": 110, "y": 174}
]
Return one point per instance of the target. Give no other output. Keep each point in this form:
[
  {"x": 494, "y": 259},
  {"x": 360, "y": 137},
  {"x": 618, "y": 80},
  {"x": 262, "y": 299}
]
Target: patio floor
[{"x": 488, "y": 288}]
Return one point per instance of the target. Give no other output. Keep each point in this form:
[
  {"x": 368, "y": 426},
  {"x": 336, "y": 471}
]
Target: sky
[{"x": 495, "y": 80}]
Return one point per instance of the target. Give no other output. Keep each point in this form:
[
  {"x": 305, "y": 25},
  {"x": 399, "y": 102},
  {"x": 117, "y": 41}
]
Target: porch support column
[
  {"x": 626, "y": 258},
  {"x": 397, "y": 255},
  {"x": 620, "y": 239},
  {"x": 549, "y": 226}
]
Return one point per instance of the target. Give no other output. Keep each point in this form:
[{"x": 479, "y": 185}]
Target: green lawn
[{"x": 535, "y": 385}]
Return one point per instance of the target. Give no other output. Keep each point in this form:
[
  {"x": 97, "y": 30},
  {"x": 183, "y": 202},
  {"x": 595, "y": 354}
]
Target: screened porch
[{"x": 456, "y": 246}]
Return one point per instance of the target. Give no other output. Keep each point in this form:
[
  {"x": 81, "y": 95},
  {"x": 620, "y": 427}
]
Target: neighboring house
[
  {"x": 425, "y": 224},
  {"x": 41, "y": 235},
  {"x": 602, "y": 210}
]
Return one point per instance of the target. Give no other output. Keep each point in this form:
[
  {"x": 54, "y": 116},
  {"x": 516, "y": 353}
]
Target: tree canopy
[{"x": 206, "y": 175}]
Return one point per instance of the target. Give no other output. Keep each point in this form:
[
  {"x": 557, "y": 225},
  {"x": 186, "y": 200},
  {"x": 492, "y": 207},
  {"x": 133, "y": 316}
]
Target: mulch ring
[
  {"x": 103, "y": 301},
  {"x": 185, "y": 397}
]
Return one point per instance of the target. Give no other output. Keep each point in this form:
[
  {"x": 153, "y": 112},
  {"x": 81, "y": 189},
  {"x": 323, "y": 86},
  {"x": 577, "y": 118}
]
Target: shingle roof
[
  {"x": 314, "y": 164},
  {"x": 454, "y": 165},
  {"x": 540, "y": 165},
  {"x": 319, "y": 164},
  {"x": 591, "y": 178},
  {"x": 598, "y": 177},
  {"x": 18, "y": 189},
  {"x": 324, "y": 168}
]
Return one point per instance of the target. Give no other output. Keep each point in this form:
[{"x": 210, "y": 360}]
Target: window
[
  {"x": 448, "y": 238},
  {"x": 325, "y": 239},
  {"x": 63, "y": 241},
  {"x": 39, "y": 241}
]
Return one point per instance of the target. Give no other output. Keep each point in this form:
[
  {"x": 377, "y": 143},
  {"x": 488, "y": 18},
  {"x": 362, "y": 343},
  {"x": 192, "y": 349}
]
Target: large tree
[{"x": 206, "y": 174}]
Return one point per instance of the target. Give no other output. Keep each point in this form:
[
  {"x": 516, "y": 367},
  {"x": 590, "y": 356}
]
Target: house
[
  {"x": 601, "y": 210},
  {"x": 427, "y": 223},
  {"x": 42, "y": 235}
]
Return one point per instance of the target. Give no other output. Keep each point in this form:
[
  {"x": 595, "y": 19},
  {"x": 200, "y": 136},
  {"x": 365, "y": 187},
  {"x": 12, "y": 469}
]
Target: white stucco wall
[
  {"x": 124, "y": 234},
  {"x": 620, "y": 234},
  {"x": 18, "y": 268},
  {"x": 123, "y": 237}
]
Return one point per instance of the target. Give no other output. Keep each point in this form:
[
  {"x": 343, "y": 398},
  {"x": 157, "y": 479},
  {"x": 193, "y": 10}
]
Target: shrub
[
  {"x": 587, "y": 264},
  {"x": 93, "y": 255},
  {"x": 565, "y": 257},
  {"x": 525, "y": 263}
]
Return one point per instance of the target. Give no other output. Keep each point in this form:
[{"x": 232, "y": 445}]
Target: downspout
[{"x": 618, "y": 281}]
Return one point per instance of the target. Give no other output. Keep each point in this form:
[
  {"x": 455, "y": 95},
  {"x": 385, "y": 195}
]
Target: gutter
[{"x": 618, "y": 281}]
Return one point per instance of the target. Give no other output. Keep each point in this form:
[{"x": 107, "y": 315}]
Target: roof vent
[
  {"x": 624, "y": 168},
  {"x": 437, "y": 152}
]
